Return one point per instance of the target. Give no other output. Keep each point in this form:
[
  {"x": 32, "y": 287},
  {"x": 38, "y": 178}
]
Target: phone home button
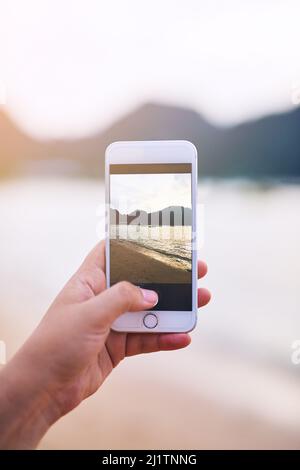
[{"x": 150, "y": 320}]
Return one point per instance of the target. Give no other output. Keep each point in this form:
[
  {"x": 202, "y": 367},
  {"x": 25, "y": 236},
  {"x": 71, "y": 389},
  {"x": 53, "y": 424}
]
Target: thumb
[{"x": 123, "y": 297}]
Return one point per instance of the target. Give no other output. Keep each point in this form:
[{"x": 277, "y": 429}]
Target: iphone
[{"x": 151, "y": 230}]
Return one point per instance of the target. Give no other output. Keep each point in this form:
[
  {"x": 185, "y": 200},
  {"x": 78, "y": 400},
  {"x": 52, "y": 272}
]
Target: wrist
[{"x": 26, "y": 409}]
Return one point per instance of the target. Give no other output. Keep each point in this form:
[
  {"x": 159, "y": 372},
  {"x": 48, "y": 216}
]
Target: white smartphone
[{"x": 151, "y": 230}]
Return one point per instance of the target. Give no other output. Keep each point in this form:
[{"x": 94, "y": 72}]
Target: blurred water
[{"x": 241, "y": 351}]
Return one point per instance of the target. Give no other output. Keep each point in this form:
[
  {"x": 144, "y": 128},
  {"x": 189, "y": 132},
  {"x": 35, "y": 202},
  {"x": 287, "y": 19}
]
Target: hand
[{"x": 73, "y": 349}]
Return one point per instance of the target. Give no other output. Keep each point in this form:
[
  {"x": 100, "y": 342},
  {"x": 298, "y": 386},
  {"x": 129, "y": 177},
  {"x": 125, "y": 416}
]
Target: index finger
[
  {"x": 202, "y": 269},
  {"x": 96, "y": 258}
]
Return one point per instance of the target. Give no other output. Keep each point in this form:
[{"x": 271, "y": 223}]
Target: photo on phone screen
[{"x": 150, "y": 230}]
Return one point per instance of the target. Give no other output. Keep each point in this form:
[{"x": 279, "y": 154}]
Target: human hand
[{"x": 73, "y": 349}]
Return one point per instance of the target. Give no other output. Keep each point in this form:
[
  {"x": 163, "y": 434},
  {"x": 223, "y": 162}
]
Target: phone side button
[{"x": 150, "y": 320}]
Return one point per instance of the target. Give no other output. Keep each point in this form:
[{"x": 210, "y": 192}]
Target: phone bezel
[{"x": 178, "y": 151}]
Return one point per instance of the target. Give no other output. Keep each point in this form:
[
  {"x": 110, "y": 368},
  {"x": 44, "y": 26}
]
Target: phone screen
[{"x": 150, "y": 230}]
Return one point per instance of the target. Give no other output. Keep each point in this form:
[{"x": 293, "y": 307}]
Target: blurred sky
[{"x": 70, "y": 67}]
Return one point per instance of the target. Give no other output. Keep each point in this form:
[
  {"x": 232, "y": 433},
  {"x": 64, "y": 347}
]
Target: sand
[
  {"x": 142, "y": 408},
  {"x": 144, "y": 266}
]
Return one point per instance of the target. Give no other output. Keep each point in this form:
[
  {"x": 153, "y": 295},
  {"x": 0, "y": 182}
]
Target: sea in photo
[{"x": 146, "y": 254}]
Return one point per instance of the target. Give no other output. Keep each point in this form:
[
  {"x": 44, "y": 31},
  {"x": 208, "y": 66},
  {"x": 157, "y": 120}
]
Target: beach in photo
[
  {"x": 147, "y": 264},
  {"x": 151, "y": 240}
]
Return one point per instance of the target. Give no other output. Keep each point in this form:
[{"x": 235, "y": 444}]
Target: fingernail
[{"x": 150, "y": 296}]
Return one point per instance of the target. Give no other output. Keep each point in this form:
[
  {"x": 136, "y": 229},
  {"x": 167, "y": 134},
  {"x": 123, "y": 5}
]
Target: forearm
[{"x": 26, "y": 409}]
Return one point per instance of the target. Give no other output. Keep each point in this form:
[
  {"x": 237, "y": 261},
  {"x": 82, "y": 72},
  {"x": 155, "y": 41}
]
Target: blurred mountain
[{"x": 267, "y": 147}]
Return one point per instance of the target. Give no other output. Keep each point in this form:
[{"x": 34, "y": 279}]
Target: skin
[{"x": 73, "y": 350}]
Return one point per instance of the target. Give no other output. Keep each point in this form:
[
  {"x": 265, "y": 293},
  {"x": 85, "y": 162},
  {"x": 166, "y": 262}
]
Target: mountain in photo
[{"x": 171, "y": 216}]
